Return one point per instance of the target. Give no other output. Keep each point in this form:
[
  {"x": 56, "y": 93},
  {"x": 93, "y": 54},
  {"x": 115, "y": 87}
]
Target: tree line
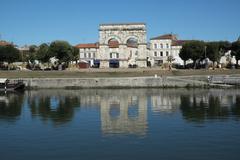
[
  {"x": 64, "y": 52},
  {"x": 61, "y": 50},
  {"x": 200, "y": 50}
]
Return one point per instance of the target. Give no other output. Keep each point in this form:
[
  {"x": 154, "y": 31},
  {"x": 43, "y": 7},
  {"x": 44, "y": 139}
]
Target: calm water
[{"x": 120, "y": 124}]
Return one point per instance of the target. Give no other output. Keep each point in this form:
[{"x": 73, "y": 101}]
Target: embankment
[{"x": 126, "y": 82}]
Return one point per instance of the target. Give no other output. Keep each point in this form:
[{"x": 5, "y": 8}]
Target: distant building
[
  {"x": 88, "y": 53},
  {"x": 5, "y": 43},
  {"x": 123, "y": 45},
  {"x": 120, "y": 45},
  {"x": 164, "y": 46}
]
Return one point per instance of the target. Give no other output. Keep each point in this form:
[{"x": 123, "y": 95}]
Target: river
[{"x": 121, "y": 124}]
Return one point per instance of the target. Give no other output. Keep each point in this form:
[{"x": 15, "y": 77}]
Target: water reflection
[
  {"x": 212, "y": 105},
  {"x": 52, "y": 105},
  {"x": 122, "y": 111},
  {"x": 10, "y": 106}
]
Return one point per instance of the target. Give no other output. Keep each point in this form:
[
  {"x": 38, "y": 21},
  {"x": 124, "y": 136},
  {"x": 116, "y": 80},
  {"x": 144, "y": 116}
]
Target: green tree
[
  {"x": 192, "y": 50},
  {"x": 236, "y": 50},
  {"x": 185, "y": 53},
  {"x": 32, "y": 53},
  {"x": 9, "y": 54},
  {"x": 197, "y": 50},
  {"x": 224, "y": 46},
  {"x": 43, "y": 53},
  {"x": 62, "y": 50},
  {"x": 75, "y": 56},
  {"x": 213, "y": 52}
]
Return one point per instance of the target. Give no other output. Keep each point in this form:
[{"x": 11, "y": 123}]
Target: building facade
[
  {"x": 165, "y": 48},
  {"x": 88, "y": 53},
  {"x": 125, "y": 46},
  {"x": 122, "y": 45}
]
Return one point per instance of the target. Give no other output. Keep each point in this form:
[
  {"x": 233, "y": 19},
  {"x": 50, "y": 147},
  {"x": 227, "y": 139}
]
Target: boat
[{"x": 11, "y": 85}]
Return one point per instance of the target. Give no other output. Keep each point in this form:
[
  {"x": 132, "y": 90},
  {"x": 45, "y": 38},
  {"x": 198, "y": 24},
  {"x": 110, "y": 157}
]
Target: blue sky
[{"x": 77, "y": 21}]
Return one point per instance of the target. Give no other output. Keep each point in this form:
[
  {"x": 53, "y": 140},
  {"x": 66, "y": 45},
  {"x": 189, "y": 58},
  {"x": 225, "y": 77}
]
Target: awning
[
  {"x": 83, "y": 61},
  {"x": 114, "y": 61},
  {"x": 96, "y": 61}
]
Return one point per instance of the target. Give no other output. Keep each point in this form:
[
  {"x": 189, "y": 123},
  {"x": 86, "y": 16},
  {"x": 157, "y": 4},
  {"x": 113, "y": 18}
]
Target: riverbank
[
  {"x": 115, "y": 73},
  {"x": 127, "y": 82}
]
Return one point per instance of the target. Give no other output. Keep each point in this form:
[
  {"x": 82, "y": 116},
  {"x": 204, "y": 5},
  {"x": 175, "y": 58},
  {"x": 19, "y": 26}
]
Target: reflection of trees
[
  {"x": 236, "y": 107},
  {"x": 56, "y": 109},
  {"x": 190, "y": 110},
  {"x": 11, "y": 105},
  {"x": 194, "y": 110}
]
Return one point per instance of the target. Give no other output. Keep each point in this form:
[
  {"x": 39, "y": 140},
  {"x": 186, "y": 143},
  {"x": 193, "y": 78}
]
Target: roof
[
  {"x": 117, "y": 24},
  {"x": 178, "y": 42},
  {"x": 165, "y": 36},
  {"x": 88, "y": 45},
  {"x": 4, "y": 43}
]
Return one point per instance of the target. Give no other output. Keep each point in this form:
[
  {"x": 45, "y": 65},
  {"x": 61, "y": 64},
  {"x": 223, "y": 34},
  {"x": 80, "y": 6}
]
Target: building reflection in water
[
  {"x": 165, "y": 102},
  {"x": 122, "y": 111},
  {"x": 124, "y": 114}
]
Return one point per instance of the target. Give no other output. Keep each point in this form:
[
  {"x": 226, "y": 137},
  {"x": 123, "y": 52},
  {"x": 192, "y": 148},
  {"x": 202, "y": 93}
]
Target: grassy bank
[{"x": 91, "y": 73}]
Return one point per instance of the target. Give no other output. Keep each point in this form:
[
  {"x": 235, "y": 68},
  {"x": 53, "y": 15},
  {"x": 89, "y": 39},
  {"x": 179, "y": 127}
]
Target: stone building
[
  {"x": 125, "y": 45},
  {"x": 120, "y": 46}
]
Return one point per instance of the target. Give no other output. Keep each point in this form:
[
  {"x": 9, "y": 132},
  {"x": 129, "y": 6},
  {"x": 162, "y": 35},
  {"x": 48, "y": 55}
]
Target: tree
[
  {"x": 197, "y": 50},
  {"x": 192, "y": 50},
  {"x": 43, "y": 53},
  {"x": 75, "y": 56},
  {"x": 9, "y": 54},
  {"x": 32, "y": 53},
  {"x": 224, "y": 46},
  {"x": 62, "y": 50},
  {"x": 236, "y": 50},
  {"x": 213, "y": 52},
  {"x": 184, "y": 53}
]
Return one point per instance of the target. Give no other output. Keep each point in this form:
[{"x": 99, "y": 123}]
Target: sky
[{"x": 77, "y": 21}]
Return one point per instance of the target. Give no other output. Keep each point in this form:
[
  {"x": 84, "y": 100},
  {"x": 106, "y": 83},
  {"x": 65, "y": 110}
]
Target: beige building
[
  {"x": 120, "y": 46},
  {"x": 125, "y": 45}
]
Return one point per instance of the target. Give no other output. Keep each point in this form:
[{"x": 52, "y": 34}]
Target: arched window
[
  {"x": 132, "y": 42},
  {"x": 113, "y": 43}
]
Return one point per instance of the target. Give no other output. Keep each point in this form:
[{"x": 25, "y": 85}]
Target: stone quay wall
[{"x": 129, "y": 82}]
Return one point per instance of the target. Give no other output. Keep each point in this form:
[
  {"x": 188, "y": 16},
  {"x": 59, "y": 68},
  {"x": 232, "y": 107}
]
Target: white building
[
  {"x": 88, "y": 53},
  {"x": 164, "y": 47}
]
